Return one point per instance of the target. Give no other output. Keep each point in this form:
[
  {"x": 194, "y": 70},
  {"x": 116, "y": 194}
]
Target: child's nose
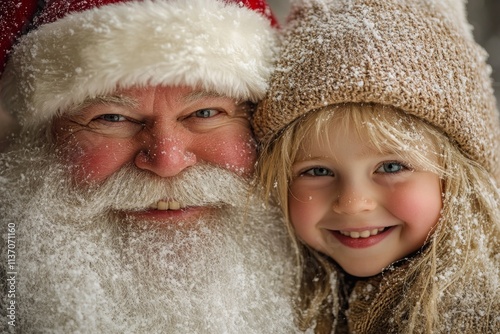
[{"x": 352, "y": 200}]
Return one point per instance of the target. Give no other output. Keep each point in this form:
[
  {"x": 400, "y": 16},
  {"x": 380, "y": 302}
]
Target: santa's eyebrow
[
  {"x": 242, "y": 106},
  {"x": 199, "y": 95},
  {"x": 120, "y": 100}
]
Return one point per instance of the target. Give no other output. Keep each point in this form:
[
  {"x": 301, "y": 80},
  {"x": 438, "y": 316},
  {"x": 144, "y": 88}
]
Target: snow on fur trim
[{"x": 212, "y": 45}]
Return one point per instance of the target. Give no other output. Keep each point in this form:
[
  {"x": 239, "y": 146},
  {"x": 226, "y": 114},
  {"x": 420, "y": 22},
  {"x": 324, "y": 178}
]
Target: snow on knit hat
[
  {"x": 415, "y": 55},
  {"x": 83, "y": 48}
]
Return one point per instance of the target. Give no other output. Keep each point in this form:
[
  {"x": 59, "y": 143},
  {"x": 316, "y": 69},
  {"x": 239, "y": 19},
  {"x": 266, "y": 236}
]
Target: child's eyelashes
[
  {"x": 392, "y": 167},
  {"x": 385, "y": 167},
  {"x": 316, "y": 171}
]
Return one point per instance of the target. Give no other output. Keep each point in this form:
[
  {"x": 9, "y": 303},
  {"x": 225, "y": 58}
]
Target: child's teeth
[
  {"x": 365, "y": 234},
  {"x": 354, "y": 235},
  {"x": 362, "y": 234}
]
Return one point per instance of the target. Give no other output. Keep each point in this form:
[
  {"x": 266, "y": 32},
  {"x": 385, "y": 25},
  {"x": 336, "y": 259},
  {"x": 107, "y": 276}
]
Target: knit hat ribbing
[
  {"x": 86, "y": 48},
  {"x": 415, "y": 55}
]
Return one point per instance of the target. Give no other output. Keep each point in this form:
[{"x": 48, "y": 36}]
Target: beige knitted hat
[{"x": 416, "y": 55}]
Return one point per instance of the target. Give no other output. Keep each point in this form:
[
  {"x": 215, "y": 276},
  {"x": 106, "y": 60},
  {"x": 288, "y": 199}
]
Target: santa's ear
[{"x": 14, "y": 17}]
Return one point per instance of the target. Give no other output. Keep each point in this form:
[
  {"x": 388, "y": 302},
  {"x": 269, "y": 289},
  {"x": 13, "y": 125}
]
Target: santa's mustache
[
  {"x": 132, "y": 189},
  {"x": 48, "y": 185}
]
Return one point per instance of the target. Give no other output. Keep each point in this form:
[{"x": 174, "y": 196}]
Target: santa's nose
[{"x": 166, "y": 155}]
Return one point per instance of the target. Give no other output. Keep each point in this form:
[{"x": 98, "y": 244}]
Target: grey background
[{"x": 483, "y": 15}]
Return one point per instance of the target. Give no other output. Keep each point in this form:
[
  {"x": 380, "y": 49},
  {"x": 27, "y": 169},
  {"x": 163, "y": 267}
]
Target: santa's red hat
[{"x": 82, "y": 48}]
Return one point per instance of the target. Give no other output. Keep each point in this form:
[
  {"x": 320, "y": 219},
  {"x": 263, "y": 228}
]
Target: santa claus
[{"x": 125, "y": 197}]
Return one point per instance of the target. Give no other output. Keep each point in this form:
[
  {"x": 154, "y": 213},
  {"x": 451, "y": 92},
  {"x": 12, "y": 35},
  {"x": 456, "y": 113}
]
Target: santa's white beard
[{"x": 82, "y": 268}]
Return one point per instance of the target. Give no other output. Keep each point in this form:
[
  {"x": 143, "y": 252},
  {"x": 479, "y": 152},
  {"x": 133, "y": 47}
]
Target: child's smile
[{"x": 361, "y": 238}]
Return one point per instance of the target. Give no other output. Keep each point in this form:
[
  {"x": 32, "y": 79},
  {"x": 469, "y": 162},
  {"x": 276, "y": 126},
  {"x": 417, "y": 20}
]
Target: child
[{"x": 380, "y": 142}]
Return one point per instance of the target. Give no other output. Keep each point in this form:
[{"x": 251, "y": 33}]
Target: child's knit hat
[
  {"x": 83, "y": 48},
  {"x": 415, "y": 55}
]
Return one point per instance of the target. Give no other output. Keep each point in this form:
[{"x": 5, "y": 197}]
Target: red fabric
[
  {"x": 56, "y": 9},
  {"x": 262, "y": 7},
  {"x": 14, "y": 17}
]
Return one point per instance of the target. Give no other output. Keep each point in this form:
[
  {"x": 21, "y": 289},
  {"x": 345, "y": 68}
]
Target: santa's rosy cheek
[{"x": 95, "y": 162}]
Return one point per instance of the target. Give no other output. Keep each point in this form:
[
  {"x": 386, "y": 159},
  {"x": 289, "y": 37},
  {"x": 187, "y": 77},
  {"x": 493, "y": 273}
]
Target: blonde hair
[{"x": 451, "y": 260}]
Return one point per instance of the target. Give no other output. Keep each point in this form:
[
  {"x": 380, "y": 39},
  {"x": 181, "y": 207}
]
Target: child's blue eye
[
  {"x": 318, "y": 171},
  {"x": 391, "y": 167}
]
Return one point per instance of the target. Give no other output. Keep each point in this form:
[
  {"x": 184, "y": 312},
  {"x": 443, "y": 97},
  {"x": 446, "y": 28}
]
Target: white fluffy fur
[
  {"x": 82, "y": 269},
  {"x": 210, "y": 44}
]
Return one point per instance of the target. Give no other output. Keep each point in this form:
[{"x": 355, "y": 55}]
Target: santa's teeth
[
  {"x": 166, "y": 205},
  {"x": 174, "y": 206},
  {"x": 162, "y": 205},
  {"x": 362, "y": 234}
]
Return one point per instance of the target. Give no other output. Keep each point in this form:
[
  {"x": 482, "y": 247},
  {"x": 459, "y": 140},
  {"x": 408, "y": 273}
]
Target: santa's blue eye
[
  {"x": 206, "y": 113},
  {"x": 112, "y": 118}
]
